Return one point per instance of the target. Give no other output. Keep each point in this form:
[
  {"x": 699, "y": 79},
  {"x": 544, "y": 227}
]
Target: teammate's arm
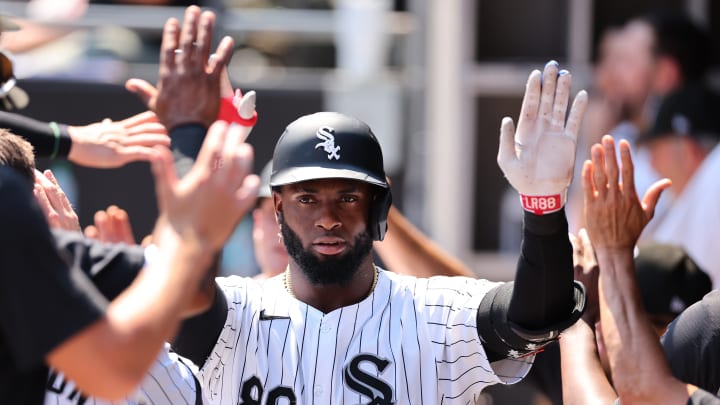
[
  {"x": 406, "y": 250},
  {"x": 537, "y": 159},
  {"x": 615, "y": 217}
]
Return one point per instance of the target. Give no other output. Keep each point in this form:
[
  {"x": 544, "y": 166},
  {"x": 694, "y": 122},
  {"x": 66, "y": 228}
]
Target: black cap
[
  {"x": 669, "y": 280},
  {"x": 690, "y": 111}
]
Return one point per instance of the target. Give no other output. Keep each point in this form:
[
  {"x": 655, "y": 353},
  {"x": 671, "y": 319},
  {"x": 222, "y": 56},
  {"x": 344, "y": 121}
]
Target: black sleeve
[
  {"x": 43, "y": 300},
  {"x": 185, "y": 142},
  {"x": 692, "y": 344},
  {"x": 198, "y": 335},
  {"x": 38, "y": 133},
  {"x": 521, "y": 317},
  {"x": 112, "y": 267}
]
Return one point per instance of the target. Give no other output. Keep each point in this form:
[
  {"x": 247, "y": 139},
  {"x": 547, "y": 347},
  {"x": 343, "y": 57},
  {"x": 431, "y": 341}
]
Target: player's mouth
[{"x": 329, "y": 245}]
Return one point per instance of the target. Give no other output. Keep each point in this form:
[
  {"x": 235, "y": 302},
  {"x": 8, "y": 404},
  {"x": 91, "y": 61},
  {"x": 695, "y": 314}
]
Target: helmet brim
[{"x": 299, "y": 174}]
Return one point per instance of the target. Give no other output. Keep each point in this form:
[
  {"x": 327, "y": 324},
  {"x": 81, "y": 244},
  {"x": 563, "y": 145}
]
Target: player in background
[
  {"x": 334, "y": 328},
  {"x": 270, "y": 253}
]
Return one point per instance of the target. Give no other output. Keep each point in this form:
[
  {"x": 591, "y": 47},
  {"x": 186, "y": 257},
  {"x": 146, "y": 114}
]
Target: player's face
[
  {"x": 324, "y": 227},
  {"x": 270, "y": 253}
]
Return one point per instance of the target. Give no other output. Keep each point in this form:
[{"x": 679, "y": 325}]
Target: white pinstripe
[
  {"x": 169, "y": 382},
  {"x": 421, "y": 332}
]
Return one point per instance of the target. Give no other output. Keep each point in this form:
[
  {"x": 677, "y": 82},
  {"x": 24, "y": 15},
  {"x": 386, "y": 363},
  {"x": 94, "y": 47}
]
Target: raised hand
[
  {"x": 111, "y": 226},
  {"x": 54, "y": 203},
  {"x": 188, "y": 89},
  {"x": 538, "y": 158},
  {"x": 110, "y": 144},
  {"x": 614, "y": 215},
  {"x": 208, "y": 202}
]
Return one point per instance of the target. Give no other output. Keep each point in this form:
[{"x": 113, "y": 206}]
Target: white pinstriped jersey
[
  {"x": 412, "y": 341},
  {"x": 170, "y": 381}
]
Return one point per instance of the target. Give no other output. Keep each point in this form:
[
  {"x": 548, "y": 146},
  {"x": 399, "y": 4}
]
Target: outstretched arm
[
  {"x": 584, "y": 381},
  {"x": 615, "y": 217},
  {"x": 537, "y": 159}
]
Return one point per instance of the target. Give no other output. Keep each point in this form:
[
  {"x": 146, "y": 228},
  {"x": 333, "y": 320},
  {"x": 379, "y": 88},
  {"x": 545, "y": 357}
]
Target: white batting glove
[{"x": 539, "y": 157}]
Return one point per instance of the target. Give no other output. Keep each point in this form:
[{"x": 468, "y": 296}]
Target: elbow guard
[{"x": 502, "y": 338}]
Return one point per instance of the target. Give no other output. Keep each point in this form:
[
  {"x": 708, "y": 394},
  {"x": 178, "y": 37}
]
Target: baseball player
[{"x": 335, "y": 328}]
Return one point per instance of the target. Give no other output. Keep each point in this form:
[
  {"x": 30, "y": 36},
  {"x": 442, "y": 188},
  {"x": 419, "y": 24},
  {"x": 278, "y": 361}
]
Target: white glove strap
[{"x": 543, "y": 204}]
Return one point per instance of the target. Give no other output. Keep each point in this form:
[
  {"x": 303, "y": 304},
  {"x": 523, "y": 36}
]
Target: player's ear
[{"x": 277, "y": 203}]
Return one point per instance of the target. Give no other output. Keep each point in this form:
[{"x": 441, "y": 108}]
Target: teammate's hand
[
  {"x": 614, "y": 215},
  {"x": 109, "y": 144},
  {"x": 205, "y": 206},
  {"x": 54, "y": 203},
  {"x": 539, "y": 157},
  {"x": 111, "y": 226},
  {"x": 188, "y": 89}
]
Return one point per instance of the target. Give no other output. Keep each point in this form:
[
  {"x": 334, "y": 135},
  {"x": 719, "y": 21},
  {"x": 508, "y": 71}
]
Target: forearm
[
  {"x": 543, "y": 288},
  {"x": 124, "y": 344},
  {"x": 583, "y": 379},
  {"x": 48, "y": 140},
  {"x": 406, "y": 250},
  {"x": 640, "y": 372}
]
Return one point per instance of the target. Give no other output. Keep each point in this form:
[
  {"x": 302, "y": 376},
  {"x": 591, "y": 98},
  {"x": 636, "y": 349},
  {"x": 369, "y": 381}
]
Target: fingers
[
  {"x": 547, "y": 97},
  {"x": 577, "y": 250},
  {"x": 247, "y": 194},
  {"x": 599, "y": 178},
  {"x": 612, "y": 171},
  {"x": 572, "y": 128},
  {"x": 146, "y": 91},
  {"x": 203, "y": 39},
  {"x": 531, "y": 100},
  {"x": 588, "y": 252},
  {"x": 628, "y": 167},
  {"x": 155, "y": 128},
  {"x": 506, "y": 152},
  {"x": 144, "y": 140},
  {"x": 91, "y": 232},
  {"x": 171, "y": 31},
  {"x": 112, "y": 226},
  {"x": 211, "y": 150},
  {"x": 587, "y": 181},
  {"x": 188, "y": 37},
  {"x": 562, "y": 95},
  {"x": 144, "y": 117},
  {"x": 652, "y": 195},
  {"x": 222, "y": 56}
]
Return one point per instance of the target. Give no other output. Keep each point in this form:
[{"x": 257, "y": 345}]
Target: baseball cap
[
  {"x": 690, "y": 111},
  {"x": 11, "y": 95},
  {"x": 668, "y": 278}
]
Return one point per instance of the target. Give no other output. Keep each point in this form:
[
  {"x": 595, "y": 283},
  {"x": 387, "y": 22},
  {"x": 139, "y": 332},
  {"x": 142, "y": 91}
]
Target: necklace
[{"x": 287, "y": 282}]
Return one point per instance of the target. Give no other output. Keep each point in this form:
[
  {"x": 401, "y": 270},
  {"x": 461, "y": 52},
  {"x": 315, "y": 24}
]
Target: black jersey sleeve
[
  {"x": 518, "y": 318},
  {"x": 41, "y": 135}
]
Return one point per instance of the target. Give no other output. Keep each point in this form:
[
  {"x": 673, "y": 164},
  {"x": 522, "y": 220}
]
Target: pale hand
[
  {"x": 110, "y": 144},
  {"x": 539, "y": 157}
]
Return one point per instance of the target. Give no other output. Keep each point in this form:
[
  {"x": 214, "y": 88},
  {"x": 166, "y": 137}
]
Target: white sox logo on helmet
[{"x": 327, "y": 135}]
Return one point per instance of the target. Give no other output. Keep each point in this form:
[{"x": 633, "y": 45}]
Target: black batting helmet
[{"x": 329, "y": 145}]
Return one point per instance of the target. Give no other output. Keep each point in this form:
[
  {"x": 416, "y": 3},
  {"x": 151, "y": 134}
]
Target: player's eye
[
  {"x": 305, "y": 199},
  {"x": 349, "y": 198}
]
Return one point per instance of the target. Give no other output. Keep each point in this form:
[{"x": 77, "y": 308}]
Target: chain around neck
[{"x": 287, "y": 282}]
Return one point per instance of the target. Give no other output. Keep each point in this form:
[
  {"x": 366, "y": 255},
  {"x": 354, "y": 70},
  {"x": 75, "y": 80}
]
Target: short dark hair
[
  {"x": 17, "y": 153},
  {"x": 679, "y": 37}
]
